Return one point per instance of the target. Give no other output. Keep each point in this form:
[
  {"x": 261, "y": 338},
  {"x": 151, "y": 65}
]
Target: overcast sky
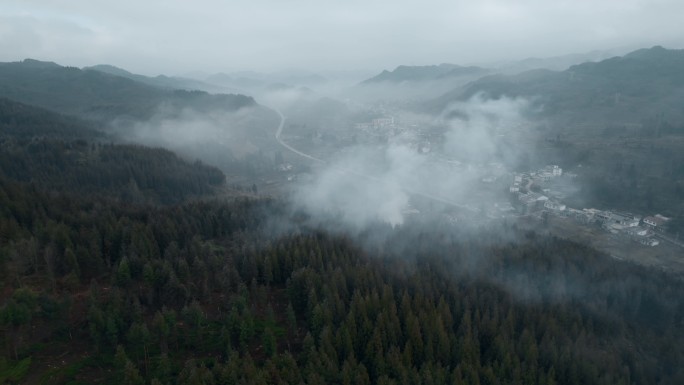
[{"x": 177, "y": 36}]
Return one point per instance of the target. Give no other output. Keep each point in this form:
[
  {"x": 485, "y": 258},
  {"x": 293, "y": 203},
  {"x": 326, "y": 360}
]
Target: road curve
[{"x": 280, "y": 131}]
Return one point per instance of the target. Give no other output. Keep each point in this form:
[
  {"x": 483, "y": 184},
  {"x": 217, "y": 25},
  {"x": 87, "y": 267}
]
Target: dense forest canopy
[
  {"x": 25, "y": 121},
  {"x": 202, "y": 292}
]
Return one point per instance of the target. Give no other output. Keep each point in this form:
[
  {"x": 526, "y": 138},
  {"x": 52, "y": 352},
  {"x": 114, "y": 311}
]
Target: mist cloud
[
  {"x": 474, "y": 125},
  {"x": 215, "y": 136},
  {"x": 366, "y": 184}
]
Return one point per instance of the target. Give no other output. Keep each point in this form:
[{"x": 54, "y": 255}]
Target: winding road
[{"x": 280, "y": 131}]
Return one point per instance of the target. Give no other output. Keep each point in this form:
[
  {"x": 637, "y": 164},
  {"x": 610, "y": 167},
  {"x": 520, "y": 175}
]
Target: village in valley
[
  {"x": 537, "y": 198},
  {"x": 535, "y": 195},
  {"x": 538, "y": 193}
]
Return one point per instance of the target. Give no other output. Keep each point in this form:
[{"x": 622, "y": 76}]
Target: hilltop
[
  {"x": 163, "y": 81},
  {"x": 425, "y": 73}
]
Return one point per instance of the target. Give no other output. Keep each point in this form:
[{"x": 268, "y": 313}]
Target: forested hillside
[
  {"x": 97, "y": 292},
  {"x": 101, "y": 96},
  {"x": 129, "y": 173},
  {"x": 617, "y": 123},
  {"x": 25, "y": 121},
  {"x": 641, "y": 85},
  {"x": 64, "y": 154}
]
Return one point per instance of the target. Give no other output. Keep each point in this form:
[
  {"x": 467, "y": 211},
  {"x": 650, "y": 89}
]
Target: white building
[
  {"x": 549, "y": 172},
  {"x": 656, "y": 222},
  {"x": 532, "y": 201},
  {"x": 555, "y": 206}
]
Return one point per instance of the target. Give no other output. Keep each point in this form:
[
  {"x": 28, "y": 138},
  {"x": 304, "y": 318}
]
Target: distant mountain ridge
[
  {"x": 656, "y": 63},
  {"x": 414, "y": 83},
  {"x": 557, "y": 63},
  {"x": 163, "y": 81},
  {"x": 642, "y": 83},
  {"x": 94, "y": 94},
  {"x": 425, "y": 73},
  {"x": 25, "y": 121},
  {"x": 255, "y": 82}
]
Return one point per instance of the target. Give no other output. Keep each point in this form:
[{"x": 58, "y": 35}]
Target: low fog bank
[
  {"x": 366, "y": 183},
  {"x": 495, "y": 252},
  {"x": 215, "y": 136},
  {"x": 266, "y": 86}
]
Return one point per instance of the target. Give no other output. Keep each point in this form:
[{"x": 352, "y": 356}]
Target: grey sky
[{"x": 174, "y": 36}]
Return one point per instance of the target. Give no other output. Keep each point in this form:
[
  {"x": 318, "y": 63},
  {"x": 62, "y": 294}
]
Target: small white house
[
  {"x": 656, "y": 221},
  {"x": 555, "y": 206}
]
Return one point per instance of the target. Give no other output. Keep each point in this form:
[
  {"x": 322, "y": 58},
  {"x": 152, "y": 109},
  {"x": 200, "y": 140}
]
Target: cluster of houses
[
  {"x": 629, "y": 225},
  {"x": 531, "y": 201},
  {"x": 543, "y": 175}
]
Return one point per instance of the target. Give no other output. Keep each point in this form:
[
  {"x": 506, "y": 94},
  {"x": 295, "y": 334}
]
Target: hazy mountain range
[
  {"x": 645, "y": 82},
  {"x": 163, "y": 81},
  {"x": 99, "y": 95},
  {"x": 425, "y": 73},
  {"x": 642, "y": 83}
]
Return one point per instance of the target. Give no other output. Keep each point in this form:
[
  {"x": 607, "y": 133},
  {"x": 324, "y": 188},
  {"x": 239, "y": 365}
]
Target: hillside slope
[
  {"x": 425, "y": 73},
  {"x": 646, "y": 82},
  {"x": 98, "y": 95}
]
